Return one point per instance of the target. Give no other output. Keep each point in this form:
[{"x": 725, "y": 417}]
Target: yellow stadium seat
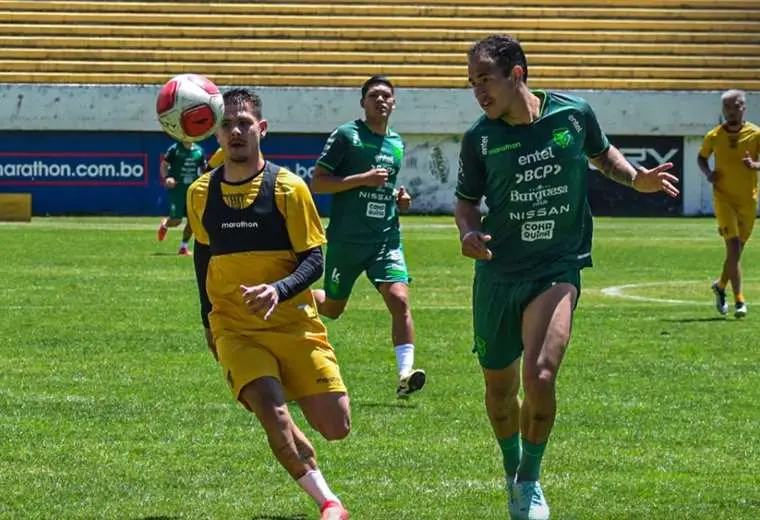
[{"x": 620, "y": 44}]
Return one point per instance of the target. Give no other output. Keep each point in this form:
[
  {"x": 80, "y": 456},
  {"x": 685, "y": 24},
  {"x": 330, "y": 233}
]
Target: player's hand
[
  {"x": 656, "y": 179},
  {"x": 260, "y": 298},
  {"x": 169, "y": 183},
  {"x": 474, "y": 245},
  {"x": 403, "y": 199},
  {"x": 748, "y": 162},
  {"x": 376, "y": 177}
]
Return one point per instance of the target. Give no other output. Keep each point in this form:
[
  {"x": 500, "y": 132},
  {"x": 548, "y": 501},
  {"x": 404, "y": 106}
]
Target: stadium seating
[{"x": 604, "y": 44}]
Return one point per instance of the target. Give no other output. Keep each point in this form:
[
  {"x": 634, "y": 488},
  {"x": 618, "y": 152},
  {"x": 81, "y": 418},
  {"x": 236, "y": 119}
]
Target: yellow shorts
[
  {"x": 734, "y": 220},
  {"x": 300, "y": 358}
]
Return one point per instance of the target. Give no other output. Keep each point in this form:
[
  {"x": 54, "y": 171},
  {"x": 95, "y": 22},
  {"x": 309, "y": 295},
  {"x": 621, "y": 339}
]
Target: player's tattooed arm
[{"x": 614, "y": 166}]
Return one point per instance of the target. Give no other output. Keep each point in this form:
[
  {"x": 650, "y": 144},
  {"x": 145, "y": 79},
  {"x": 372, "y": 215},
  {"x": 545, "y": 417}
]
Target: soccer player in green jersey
[
  {"x": 181, "y": 165},
  {"x": 359, "y": 165},
  {"x": 527, "y": 156}
]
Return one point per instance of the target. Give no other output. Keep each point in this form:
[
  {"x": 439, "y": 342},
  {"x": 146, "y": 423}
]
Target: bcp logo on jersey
[{"x": 537, "y": 230}]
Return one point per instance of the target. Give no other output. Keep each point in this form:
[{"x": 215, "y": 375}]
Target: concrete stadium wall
[{"x": 431, "y": 120}]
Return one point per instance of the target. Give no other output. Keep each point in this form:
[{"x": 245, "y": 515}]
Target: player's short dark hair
[
  {"x": 505, "y": 50},
  {"x": 376, "y": 80},
  {"x": 243, "y": 95}
]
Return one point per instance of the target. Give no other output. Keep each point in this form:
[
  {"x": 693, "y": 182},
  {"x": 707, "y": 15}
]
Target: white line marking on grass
[{"x": 618, "y": 291}]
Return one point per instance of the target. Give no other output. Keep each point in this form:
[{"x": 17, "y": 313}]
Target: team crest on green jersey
[{"x": 562, "y": 137}]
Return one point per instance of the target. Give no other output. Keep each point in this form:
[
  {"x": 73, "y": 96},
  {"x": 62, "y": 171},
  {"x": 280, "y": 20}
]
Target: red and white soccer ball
[{"x": 189, "y": 107}]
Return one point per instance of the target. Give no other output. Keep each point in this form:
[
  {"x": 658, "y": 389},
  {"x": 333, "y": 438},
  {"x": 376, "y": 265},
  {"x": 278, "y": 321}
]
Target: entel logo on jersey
[
  {"x": 537, "y": 156},
  {"x": 484, "y": 145},
  {"x": 538, "y": 230}
]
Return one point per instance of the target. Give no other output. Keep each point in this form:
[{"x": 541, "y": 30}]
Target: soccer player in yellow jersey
[
  {"x": 736, "y": 146},
  {"x": 264, "y": 251}
]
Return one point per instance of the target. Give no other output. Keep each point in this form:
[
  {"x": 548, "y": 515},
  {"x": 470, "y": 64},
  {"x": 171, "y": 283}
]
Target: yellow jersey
[
  {"x": 254, "y": 240},
  {"x": 733, "y": 179},
  {"x": 217, "y": 159}
]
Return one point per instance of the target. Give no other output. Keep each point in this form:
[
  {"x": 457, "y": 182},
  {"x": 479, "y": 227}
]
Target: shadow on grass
[
  {"x": 395, "y": 404},
  {"x": 696, "y": 320},
  {"x": 299, "y": 516},
  {"x": 278, "y": 517},
  {"x": 166, "y": 253}
]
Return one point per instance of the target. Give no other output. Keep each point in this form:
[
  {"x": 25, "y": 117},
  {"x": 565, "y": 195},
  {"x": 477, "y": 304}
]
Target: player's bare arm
[
  {"x": 473, "y": 242},
  {"x": 704, "y": 166},
  {"x": 614, "y": 166},
  {"x": 325, "y": 182}
]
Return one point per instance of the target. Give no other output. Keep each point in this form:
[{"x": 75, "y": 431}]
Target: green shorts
[
  {"x": 345, "y": 261},
  {"x": 497, "y": 309},
  {"x": 177, "y": 204}
]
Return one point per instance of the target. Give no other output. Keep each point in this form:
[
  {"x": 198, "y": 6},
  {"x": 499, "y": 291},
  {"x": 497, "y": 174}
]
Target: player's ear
[
  {"x": 518, "y": 73},
  {"x": 361, "y": 102},
  {"x": 263, "y": 127}
]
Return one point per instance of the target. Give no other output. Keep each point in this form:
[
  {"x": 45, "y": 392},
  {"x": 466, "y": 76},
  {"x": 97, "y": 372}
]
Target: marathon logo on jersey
[
  {"x": 536, "y": 157},
  {"x": 241, "y": 224},
  {"x": 383, "y": 158},
  {"x": 504, "y": 148},
  {"x": 537, "y": 230},
  {"x": 576, "y": 125}
]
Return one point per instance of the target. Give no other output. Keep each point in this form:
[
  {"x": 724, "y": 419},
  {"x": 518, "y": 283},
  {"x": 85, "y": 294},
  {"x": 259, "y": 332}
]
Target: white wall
[
  {"x": 420, "y": 111},
  {"x": 428, "y": 118}
]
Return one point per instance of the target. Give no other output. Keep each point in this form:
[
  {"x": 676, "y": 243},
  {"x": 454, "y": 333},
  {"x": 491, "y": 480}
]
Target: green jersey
[
  {"x": 185, "y": 164},
  {"x": 533, "y": 178},
  {"x": 364, "y": 214}
]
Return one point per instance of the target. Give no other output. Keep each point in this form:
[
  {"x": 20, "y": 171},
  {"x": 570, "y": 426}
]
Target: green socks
[
  {"x": 530, "y": 464},
  {"x": 510, "y": 450}
]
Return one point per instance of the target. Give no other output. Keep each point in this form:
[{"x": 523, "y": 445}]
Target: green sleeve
[
  {"x": 471, "y": 181},
  {"x": 596, "y": 142},
  {"x": 170, "y": 153},
  {"x": 334, "y": 151}
]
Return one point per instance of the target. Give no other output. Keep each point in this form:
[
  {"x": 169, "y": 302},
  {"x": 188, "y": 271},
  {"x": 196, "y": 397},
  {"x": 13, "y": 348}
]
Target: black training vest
[{"x": 259, "y": 227}]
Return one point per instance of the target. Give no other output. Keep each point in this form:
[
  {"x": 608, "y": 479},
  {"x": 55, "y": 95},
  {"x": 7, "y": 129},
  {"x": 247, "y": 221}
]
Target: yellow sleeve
[
  {"x": 196, "y": 204},
  {"x": 707, "y": 145},
  {"x": 216, "y": 159},
  {"x": 301, "y": 215}
]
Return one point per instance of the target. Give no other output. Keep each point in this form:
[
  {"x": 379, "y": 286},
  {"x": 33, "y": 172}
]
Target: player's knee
[
  {"x": 336, "y": 429},
  {"x": 540, "y": 382},
  {"x": 734, "y": 245},
  {"x": 501, "y": 394},
  {"x": 331, "y": 311},
  {"x": 398, "y": 303}
]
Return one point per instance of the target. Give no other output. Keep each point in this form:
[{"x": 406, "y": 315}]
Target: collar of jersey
[
  {"x": 544, "y": 97},
  {"x": 249, "y": 179}
]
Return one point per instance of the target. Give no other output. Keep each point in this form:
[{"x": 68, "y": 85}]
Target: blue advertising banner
[{"x": 117, "y": 173}]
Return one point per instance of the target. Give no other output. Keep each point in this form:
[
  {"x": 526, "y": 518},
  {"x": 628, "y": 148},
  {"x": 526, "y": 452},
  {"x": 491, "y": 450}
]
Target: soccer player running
[
  {"x": 527, "y": 155},
  {"x": 264, "y": 241},
  {"x": 736, "y": 145},
  {"x": 359, "y": 165},
  {"x": 181, "y": 165}
]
